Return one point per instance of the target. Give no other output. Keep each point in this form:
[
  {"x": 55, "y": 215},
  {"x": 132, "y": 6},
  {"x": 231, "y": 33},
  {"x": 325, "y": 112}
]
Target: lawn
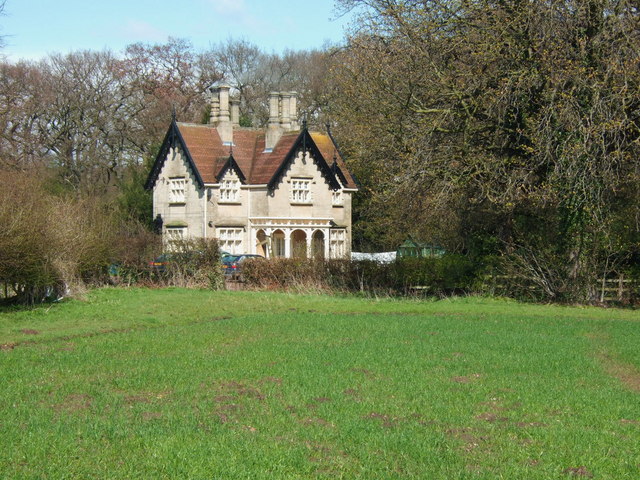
[{"x": 228, "y": 385}]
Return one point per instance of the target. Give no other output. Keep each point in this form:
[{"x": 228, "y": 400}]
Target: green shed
[{"x": 412, "y": 248}]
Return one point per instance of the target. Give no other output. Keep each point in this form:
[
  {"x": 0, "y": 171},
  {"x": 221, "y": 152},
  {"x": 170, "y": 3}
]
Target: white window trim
[
  {"x": 231, "y": 239},
  {"x": 229, "y": 188},
  {"x": 177, "y": 189},
  {"x": 175, "y": 234},
  {"x": 301, "y": 191},
  {"x": 337, "y": 198},
  {"x": 338, "y": 243}
]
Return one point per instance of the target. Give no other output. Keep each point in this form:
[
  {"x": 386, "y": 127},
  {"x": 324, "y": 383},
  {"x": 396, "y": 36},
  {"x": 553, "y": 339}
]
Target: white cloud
[
  {"x": 142, "y": 31},
  {"x": 229, "y": 7}
]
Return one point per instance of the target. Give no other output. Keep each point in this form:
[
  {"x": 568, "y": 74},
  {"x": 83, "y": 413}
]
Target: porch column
[
  {"x": 309, "y": 234},
  {"x": 287, "y": 243},
  {"x": 326, "y": 243},
  {"x": 267, "y": 246}
]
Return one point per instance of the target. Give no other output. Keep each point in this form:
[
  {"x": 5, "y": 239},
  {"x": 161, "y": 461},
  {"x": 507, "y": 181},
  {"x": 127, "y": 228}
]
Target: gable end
[
  {"x": 231, "y": 164},
  {"x": 305, "y": 143},
  {"x": 171, "y": 139}
]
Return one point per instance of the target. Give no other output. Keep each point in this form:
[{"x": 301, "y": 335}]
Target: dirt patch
[
  {"x": 243, "y": 390},
  {"x": 133, "y": 399},
  {"x": 76, "y": 402},
  {"x": 467, "y": 378},
  {"x": 470, "y": 438},
  {"x": 491, "y": 417},
  {"x": 274, "y": 380},
  {"x": 145, "y": 397},
  {"x": 366, "y": 372},
  {"x": 386, "y": 420},
  {"x": 628, "y": 374},
  {"x": 30, "y": 331},
  {"x": 580, "y": 471},
  {"x": 626, "y": 421},
  {"x": 233, "y": 397},
  {"x": 110, "y": 331},
  {"x": 151, "y": 415},
  {"x": 316, "y": 421},
  {"x": 531, "y": 424},
  {"x": 322, "y": 399},
  {"x": 68, "y": 347}
]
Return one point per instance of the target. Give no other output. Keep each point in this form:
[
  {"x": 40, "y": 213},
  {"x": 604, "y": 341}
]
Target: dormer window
[
  {"x": 176, "y": 190},
  {"x": 301, "y": 190},
  {"x": 337, "y": 199},
  {"x": 230, "y": 188}
]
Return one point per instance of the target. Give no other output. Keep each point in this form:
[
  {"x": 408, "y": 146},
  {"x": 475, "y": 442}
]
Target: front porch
[{"x": 274, "y": 237}]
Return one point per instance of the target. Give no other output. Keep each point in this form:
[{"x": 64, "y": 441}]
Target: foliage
[
  {"x": 194, "y": 262},
  {"x": 445, "y": 275},
  {"x": 479, "y": 119},
  {"x": 51, "y": 244}
]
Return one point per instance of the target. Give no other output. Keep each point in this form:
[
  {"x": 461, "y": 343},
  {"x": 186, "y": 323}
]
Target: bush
[
  {"x": 440, "y": 276},
  {"x": 194, "y": 263},
  {"x": 50, "y": 245}
]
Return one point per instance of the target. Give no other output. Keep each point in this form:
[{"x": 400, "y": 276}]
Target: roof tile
[{"x": 258, "y": 166}]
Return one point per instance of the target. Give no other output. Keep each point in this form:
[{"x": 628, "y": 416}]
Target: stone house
[{"x": 283, "y": 192}]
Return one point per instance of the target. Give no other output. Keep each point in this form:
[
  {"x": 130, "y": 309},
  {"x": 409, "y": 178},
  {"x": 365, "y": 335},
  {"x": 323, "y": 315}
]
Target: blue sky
[{"x": 34, "y": 28}]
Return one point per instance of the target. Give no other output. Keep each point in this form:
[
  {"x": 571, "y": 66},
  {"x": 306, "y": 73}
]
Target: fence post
[{"x": 620, "y": 286}]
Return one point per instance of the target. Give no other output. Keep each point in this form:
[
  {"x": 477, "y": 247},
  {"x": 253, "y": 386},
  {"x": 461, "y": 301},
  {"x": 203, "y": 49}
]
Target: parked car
[
  {"x": 232, "y": 265},
  {"x": 159, "y": 264}
]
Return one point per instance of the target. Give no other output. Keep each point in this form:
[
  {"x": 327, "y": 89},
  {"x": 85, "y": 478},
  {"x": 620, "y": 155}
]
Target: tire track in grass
[
  {"x": 65, "y": 338},
  {"x": 627, "y": 373}
]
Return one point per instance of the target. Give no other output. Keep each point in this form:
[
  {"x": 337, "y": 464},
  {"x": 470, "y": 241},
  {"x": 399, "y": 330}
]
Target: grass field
[{"x": 227, "y": 385}]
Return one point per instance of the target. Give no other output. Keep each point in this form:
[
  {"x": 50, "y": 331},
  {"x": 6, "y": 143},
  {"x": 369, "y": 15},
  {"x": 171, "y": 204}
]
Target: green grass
[{"x": 224, "y": 385}]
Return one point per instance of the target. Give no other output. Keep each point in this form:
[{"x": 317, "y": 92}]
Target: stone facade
[{"x": 285, "y": 192}]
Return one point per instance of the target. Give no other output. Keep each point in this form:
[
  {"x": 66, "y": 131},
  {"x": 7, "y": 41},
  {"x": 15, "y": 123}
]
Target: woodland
[{"x": 505, "y": 131}]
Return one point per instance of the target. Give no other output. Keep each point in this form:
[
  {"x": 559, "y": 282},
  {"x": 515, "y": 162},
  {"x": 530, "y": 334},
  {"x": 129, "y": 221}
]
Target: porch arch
[
  {"x": 278, "y": 241},
  {"x": 261, "y": 243},
  {"x": 318, "y": 245},
  {"x": 298, "y": 244}
]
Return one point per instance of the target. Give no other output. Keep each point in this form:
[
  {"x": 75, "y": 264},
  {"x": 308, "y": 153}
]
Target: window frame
[
  {"x": 177, "y": 190},
  {"x": 229, "y": 187},
  {"x": 231, "y": 239},
  {"x": 338, "y": 242},
  {"x": 301, "y": 191}
]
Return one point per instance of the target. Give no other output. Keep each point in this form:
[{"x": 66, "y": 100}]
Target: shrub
[
  {"x": 194, "y": 263},
  {"x": 445, "y": 275}
]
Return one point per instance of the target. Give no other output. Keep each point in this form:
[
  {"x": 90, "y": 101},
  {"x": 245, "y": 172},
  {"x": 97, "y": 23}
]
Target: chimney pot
[
  {"x": 274, "y": 129},
  {"x": 293, "y": 110},
  {"x": 224, "y": 127},
  {"x": 235, "y": 113},
  {"x": 285, "y": 111}
]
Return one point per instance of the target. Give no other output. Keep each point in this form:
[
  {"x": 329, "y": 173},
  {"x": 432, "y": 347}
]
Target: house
[
  {"x": 413, "y": 248},
  {"x": 283, "y": 192}
]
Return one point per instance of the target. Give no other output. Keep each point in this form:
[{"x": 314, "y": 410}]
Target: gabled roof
[
  {"x": 231, "y": 164},
  {"x": 172, "y": 139},
  {"x": 210, "y": 159}
]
